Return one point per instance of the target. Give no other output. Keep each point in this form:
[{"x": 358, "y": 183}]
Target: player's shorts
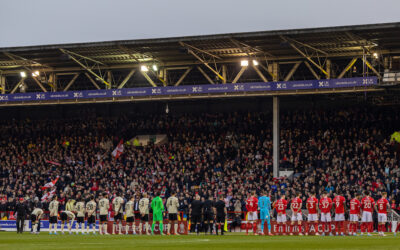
[
  {"x": 252, "y": 216},
  {"x": 281, "y": 218},
  {"x": 196, "y": 218},
  {"x": 33, "y": 218},
  {"x": 382, "y": 218},
  {"x": 129, "y": 219},
  {"x": 103, "y": 218},
  {"x": 326, "y": 217},
  {"x": 172, "y": 216},
  {"x": 91, "y": 219},
  {"x": 118, "y": 217},
  {"x": 264, "y": 214},
  {"x": 53, "y": 219},
  {"x": 158, "y": 216},
  {"x": 297, "y": 217},
  {"x": 80, "y": 219},
  {"x": 339, "y": 217},
  {"x": 312, "y": 217},
  {"x": 63, "y": 216},
  {"x": 366, "y": 216},
  {"x": 220, "y": 218},
  {"x": 144, "y": 217},
  {"x": 353, "y": 217}
]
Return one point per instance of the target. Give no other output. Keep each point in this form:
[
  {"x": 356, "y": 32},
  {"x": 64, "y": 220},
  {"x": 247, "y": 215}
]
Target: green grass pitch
[{"x": 11, "y": 240}]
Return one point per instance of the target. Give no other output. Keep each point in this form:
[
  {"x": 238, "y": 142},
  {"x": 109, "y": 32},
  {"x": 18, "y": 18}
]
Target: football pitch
[{"x": 13, "y": 240}]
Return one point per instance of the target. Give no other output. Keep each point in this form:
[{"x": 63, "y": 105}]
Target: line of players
[
  {"x": 209, "y": 212},
  {"x": 78, "y": 209},
  {"x": 358, "y": 208}
]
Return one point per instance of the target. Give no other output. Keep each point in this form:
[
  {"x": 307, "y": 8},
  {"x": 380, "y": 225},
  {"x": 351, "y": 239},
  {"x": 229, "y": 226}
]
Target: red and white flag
[
  {"x": 54, "y": 163},
  {"x": 50, "y": 184},
  {"x": 118, "y": 150},
  {"x": 47, "y": 196}
]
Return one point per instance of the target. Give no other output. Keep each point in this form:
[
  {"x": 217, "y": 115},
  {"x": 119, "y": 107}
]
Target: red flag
[
  {"x": 50, "y": 184},
  {"x": 118, "y": 150},
  {"x": 54, "y": 163}
]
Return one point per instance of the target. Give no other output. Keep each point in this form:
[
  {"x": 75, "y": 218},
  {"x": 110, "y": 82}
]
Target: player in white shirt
[
  {"x": 144, "y": 213},
  {"x": 104, "y": 205},
  {"x": 130, "y": 216},
  {"x": 67, "y": 216},
  {"x": 172, "y": 207},
  {"x": 118, "y": 213},
  {"x": 53, "y": 208},
  {"x": 35, "y": 217},
  {"x": 91, "y": 213},
  {"x": 80, "y": 215}
]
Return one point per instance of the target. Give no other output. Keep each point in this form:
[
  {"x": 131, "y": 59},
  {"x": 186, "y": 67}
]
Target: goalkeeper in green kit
[{"x": 158, "y": 209}]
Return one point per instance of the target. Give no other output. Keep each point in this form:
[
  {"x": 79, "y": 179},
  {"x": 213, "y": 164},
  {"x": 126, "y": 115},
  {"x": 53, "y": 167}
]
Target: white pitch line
[{"x": 96, "y": 243}]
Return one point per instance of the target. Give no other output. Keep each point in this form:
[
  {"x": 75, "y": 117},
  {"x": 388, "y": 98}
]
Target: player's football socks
[
  {"x": 176, "y": 229},
  {"x": 114, "y": 226},
  {"x": 147, "y": 229},
  {"x": 161, "y": 226}
]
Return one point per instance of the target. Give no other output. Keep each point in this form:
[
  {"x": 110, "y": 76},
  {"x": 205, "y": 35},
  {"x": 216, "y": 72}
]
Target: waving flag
[
  {"x": 118, "y": 150},
  {"x": 47, "y": 196},
  {"x": 54, "y": 163},
  {"x": 50, "y": 184}
]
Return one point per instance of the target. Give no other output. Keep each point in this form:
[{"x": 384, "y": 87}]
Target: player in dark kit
[
  {"x": 195, "y": 213},
  {"x": 208, "y": 215},
  {"x": 220, "y": 211}
]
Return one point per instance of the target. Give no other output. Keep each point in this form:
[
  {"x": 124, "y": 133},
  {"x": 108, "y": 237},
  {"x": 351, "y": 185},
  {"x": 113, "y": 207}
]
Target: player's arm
[{"x": 226, "y": 212}]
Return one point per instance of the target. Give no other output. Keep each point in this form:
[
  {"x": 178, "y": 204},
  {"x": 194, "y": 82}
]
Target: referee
[{"x": 21, "y": 210}]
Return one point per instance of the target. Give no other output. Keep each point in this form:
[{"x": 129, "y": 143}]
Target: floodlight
[
  {"x": 255, "y": 63},
  {"x": 244, "y": 63},
  {"x": 23, "y": 74},
  {"x": 144, "y": 68}
]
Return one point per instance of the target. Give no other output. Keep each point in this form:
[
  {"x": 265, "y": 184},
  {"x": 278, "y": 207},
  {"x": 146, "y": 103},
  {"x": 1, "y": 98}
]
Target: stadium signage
[{"x": 192, "y": 89}]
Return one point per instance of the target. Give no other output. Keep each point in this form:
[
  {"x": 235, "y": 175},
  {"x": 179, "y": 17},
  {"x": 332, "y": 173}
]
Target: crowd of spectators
[{"x": 335, "y": 150}]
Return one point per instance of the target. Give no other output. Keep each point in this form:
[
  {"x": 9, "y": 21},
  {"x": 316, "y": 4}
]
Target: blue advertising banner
[
  {"x": 11, "y": 225},
  {"x": 192, "y": 89}
]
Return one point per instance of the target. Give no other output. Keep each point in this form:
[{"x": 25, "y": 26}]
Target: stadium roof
[
  {"x": 344, "y": 41},
  {"x": 281, "y": 55}
]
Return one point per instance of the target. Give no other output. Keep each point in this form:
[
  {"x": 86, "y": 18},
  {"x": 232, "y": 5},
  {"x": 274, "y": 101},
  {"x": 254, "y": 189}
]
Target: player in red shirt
[
  {"x": 354, "y": 214},
  {"x": 252, "y": 207},
  {"x": 295, "y": 206},
  {"x": 280, "y": 207},
  {"x": 367, "y": 204},
  {"x": 381, "y": 207},
  {"x": 325, "y": 205},
  {"x": 312, "y": 207},
  {"x": 340, "y": 205}
]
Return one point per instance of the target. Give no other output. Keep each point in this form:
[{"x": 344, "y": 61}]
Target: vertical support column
[
  {"x": 53, "y": 81},
  {"x": 274, "y": 68},
  {"x": 109, "y": 79},
  {"x": 386, "y": 62},
  {"x": 3, "y": 84},
  {"x": 165, "y": 77},
  {"x": 224, "y": 73},
  {"x": 328, "y": 69},
  {"x": 275, "y": 135}
]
